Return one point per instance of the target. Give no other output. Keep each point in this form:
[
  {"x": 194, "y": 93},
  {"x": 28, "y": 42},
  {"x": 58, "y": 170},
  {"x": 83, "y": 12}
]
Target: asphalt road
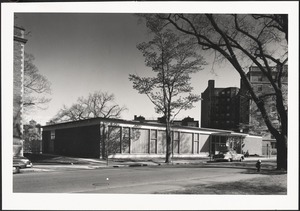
[{"x": 130, "y": 180}]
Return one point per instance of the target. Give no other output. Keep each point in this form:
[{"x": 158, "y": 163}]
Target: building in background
[
  {"x": 18, "y": 75},
  {"x": 220, "y": 107},
  {"x": 32, "y": 138},
  {"x": 251, "y": 120},
  {"x": 187, "y": 121}
]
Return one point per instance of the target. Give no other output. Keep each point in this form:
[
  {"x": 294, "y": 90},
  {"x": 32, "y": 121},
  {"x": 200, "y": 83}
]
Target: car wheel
[
  {"x": 241, "y": 159},
  {"x": 16, "y": 170}
]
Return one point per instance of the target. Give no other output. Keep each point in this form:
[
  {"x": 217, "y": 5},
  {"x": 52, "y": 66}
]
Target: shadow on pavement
[
  {"x": 49, "y": 159},
  {"x": 265, "y": 172}
]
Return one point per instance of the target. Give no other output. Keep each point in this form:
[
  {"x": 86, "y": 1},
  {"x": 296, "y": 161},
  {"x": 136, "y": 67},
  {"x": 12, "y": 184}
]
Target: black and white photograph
[{"x": 150, "y": 105}]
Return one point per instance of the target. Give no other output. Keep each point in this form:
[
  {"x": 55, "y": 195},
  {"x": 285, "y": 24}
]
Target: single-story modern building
[{"x": 98, "y": 137}]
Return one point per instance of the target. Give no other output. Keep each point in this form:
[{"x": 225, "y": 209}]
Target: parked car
[
  {"x": 16, "y": 169},
  {"x": 21, "y": 162},
  {"x": 228, "y": 155}
]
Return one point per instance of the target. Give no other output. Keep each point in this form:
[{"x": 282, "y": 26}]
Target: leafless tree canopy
[
  {"x": 36, "y": 86},
  {"x": 173, "y": 59},
  {"x": 245, "y": 40},
  {"x": 97, "y": 104}
]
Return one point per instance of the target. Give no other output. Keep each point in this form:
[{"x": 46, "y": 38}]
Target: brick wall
[
  {"x": 83, "y": 139},
  {"x": 249, "y": 111},
  {"x": 19, "y": 43},
  {"x": 81, "y": 142},
  {"x": 220, "y": 108}
]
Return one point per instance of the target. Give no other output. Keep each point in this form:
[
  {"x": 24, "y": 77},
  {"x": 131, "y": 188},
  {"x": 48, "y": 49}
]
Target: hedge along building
[{"x": 98, "y": 137}]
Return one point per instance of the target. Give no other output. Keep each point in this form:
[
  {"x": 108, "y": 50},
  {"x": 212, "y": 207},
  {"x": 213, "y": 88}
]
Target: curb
[
  {"x": 33, "y": 170},
  {"x": 118, "y": 165},
  {"x": 134, "y": 165}
]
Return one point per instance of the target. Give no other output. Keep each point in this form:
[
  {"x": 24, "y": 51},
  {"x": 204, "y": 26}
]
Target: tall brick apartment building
[
  {"x": 233, "y": 109},
  {"x": 220, "y": 107},
  {"x": 250, "y": 115},
  {"x": 251, "y": 120},
  {"x": 19, "y": 44}
]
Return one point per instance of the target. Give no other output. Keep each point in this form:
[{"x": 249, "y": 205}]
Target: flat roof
[{"x": 98, "y": 120}]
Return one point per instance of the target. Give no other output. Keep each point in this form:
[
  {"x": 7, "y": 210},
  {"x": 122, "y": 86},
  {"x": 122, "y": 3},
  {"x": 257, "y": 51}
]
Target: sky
[{"x": 81, "y": 53}]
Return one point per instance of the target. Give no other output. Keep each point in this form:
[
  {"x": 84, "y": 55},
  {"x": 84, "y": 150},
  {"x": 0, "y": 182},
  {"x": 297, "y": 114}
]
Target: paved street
[{"x": 124, "y": 180}]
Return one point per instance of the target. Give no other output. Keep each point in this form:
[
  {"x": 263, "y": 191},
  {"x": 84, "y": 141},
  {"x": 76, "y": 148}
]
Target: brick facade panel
[
  {"x": 82, "y": 142},
  {"x": 253, "y": 145}
]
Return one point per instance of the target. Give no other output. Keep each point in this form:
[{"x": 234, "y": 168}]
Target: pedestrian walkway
[
  {"x": 58, "y": 163},
  {"x": 42, "y": 167}
]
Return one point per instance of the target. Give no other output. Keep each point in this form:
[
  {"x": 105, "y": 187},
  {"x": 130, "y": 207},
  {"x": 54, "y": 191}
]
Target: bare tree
[
  {"x": 173, "y": 59},
  {"x": 97, "y": 104},
  {"x": 36, "y": 86},
  {"x": 244, "y": 40}
]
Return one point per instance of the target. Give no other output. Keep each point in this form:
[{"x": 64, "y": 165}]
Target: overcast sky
[{"x": 83, "y": 53}]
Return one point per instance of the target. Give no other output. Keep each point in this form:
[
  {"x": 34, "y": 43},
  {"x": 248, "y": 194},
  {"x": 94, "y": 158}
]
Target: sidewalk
[
  {"x": 56, "y": 163},
  {"x": 85, "y": 164}
]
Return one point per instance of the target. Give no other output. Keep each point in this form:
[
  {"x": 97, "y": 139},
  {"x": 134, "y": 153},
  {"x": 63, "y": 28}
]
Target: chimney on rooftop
[{"x": 211, "y": 83}]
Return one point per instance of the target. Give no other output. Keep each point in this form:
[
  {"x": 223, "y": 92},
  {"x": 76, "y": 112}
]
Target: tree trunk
[
  {"x": 103, "y": 143},
  {"x": 169, "y": 143},
  {"x": 281, "y": 152}
]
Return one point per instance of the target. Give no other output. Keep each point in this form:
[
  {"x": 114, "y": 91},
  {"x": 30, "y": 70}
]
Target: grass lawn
[
  {"x": 272, "y": 184},
  {"x": 46, "y": 158}
]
